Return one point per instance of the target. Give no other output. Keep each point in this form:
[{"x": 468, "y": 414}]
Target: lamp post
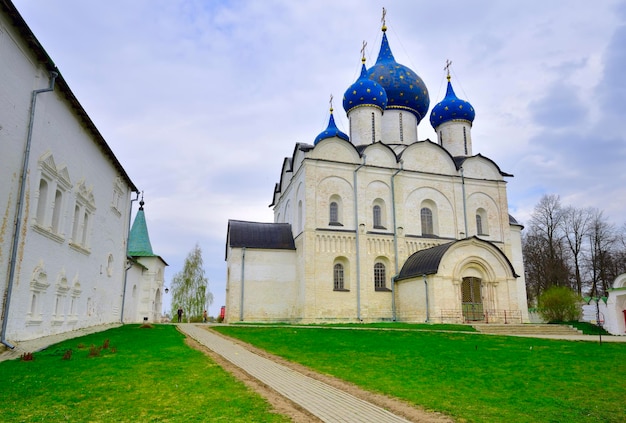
[
  {"x": 166, "y": 290},
  {"x": 599, "y": 317}
]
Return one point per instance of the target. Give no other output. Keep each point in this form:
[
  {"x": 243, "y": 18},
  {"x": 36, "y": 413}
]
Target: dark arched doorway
[{"x": 472, "y": 301}]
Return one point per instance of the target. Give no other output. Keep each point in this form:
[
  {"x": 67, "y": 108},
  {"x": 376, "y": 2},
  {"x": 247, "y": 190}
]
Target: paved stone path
[{"x": 329, "y": 404}]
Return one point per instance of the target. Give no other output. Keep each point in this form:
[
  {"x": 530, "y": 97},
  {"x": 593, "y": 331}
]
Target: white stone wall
[
  {"x": 426, "y": 177},
  {"x": 69, "y": 269},
  {"x": 361, "y": 126},
  {"x": 144, "y": 290},
  {"x": 399, "y": 127},
  {"x": 456, "y": 137},
  {"x": 270, "y": 291}
]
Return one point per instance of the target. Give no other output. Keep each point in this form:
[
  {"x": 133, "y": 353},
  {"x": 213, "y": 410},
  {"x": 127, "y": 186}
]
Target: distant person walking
[
  {"x": 180, "y": 314},
  {"x": 205, "y": 317}
]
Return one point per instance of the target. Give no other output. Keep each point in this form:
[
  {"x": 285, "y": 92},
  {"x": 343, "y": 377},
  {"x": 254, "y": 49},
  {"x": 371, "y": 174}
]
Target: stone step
[{"x": 527, "y": 329}]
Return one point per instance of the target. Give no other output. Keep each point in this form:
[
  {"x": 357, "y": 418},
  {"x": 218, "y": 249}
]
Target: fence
[{"x": 480, "y": 316}]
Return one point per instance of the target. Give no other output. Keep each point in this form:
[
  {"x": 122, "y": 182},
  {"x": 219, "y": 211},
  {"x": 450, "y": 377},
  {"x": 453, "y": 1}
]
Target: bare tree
[
  {"x": 601, "y": 242},
  {"x": 546, "y": 224},
  {"x": 576, "y": 224}
]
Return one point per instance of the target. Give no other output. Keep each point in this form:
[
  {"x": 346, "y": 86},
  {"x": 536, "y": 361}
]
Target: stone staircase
[{"x": 527, "y": 329}]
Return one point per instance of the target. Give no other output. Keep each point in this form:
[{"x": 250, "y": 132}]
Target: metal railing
[{"x": 480, "y": 316}]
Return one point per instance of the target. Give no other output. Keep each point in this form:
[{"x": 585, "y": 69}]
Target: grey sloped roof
[
  {"x": 273, "y": 236},
  {"x": 424, "y": 262}
]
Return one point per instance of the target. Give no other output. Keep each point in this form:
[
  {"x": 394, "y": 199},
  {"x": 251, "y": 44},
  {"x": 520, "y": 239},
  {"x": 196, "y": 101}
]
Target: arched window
[
  {"x": 338, "y": 280},
  {"x": 481, "y": 222},
  {"x": 334, "y": 213},
  {"x": 377, "y": 217},
  {"x": 373, "y": 129},
  {"x": 380, "y": 277},
  {"x": 426, "y": 216}
]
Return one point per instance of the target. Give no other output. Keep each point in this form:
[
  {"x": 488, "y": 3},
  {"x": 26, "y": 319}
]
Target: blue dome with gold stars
[
  {"x": 331, "y": 131},
  {"x": 364, "y": 92},
  {"x": 404, "y": 88},
  {"x": 451, "y": 108}
]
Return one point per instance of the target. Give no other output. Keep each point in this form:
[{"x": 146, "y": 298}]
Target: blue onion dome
[
  {"x": 405, "y": 89},
  {"x": 331, "y": 131},
  {"x": 451, "y": 108},
  {"x": 364, "y": 92}
]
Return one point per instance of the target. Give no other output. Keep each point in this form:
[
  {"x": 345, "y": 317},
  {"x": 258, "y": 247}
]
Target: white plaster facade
[
  {"x": 357, "y": 207},
  {"x": 63, "y": 262},
  {"x": 144, "y": 290},
  {"x": 610, "y": 310}
]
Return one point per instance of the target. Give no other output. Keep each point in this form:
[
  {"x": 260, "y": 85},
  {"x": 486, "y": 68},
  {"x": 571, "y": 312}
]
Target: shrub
[
  {"x": 94, "y": 351},
  {"x": 559, "y": 304}
]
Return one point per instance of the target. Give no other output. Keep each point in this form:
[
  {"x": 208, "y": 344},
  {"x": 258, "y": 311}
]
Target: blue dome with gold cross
[
  {"x": 451, "y": 108},
  {"x": 331, "y": 131},
  {"x": 364, "y": 92},
  {"x": 405, "y": 89}
]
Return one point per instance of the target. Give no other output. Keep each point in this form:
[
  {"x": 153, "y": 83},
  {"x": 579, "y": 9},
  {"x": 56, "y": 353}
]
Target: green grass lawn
[
  {"x": 146, "y": 375},
  {"x": 471, "y": 377}
]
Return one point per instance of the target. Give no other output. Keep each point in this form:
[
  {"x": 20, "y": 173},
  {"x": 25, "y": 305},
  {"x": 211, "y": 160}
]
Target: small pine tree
[{"x": 559, "y": 304}]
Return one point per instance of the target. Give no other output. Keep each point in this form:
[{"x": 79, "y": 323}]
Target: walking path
[{"x": 327, "y": 403}]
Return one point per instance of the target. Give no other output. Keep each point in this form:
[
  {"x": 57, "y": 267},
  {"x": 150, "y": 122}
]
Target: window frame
[{"x": 380, "y": 277}]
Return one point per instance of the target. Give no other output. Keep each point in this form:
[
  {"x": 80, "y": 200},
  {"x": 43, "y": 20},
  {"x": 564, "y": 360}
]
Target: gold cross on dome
[
  {"x": 383, "y": 18},
  {"x": 447, "y": 68},
  {"x": 363, "y": 49},
  {"x": 331, "y": 102}
]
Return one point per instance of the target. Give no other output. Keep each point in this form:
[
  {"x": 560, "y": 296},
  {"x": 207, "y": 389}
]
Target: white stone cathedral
[{"x": 380, "y": 226}]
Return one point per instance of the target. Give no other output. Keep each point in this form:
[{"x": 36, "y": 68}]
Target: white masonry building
[{"x": 377, "y": 225}]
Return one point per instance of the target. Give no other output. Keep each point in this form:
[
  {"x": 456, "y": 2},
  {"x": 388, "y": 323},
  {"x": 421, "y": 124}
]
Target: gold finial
[
  {"x": 363, "y": 51},
  {"x": 447, "y": 69},
  {"x": 384, "y": 28},
  {"x": 331, "y": 103}
]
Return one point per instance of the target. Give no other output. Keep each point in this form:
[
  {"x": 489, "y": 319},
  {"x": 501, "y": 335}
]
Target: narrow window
[
  {"x": 85, "y": 230},
  {"x": 465, "y": 140},
  {"x": 338, "y": 277},
  {"x": 56, "y": 212},
  {"x": 373, "y": 129},
  {"x": 377, "y": 218},
  {"x": 401, "y": 130},
  {"x": 379, "y": 276},
  {"x": 76, "y": 225},
  {"x": 300, "y": 223},
  {"x": 427, "y": 221},
  {"x": 41, "y": 204},
  {"x": 482, "y": 222},
  {"x": 334, "y": 213},
  {"x": 33, "y": 304},
  {"x": 440, "y": 138}
]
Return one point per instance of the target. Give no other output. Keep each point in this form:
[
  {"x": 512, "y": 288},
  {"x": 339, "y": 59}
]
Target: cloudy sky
[{"x": 202, "y": 100}]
